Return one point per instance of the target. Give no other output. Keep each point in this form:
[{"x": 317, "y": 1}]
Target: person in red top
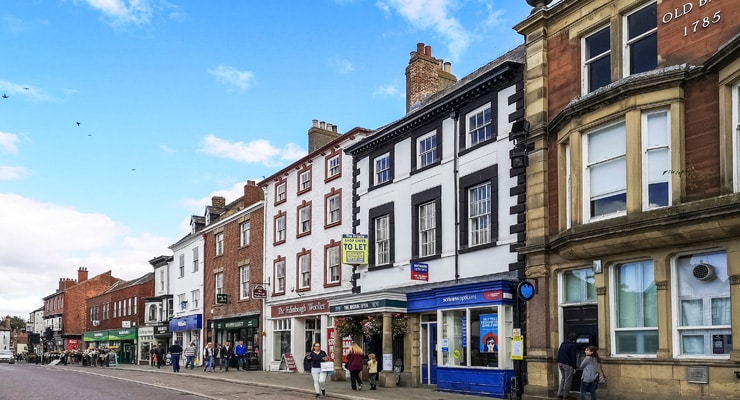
[{"x": 355, "y": 359}]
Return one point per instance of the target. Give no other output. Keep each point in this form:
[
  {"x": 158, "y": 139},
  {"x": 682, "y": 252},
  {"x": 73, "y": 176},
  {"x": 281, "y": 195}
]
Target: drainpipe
[{"x": 455, "y": 182}]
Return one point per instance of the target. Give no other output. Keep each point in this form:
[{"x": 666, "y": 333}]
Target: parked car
[{"x": 7, "y": 356}]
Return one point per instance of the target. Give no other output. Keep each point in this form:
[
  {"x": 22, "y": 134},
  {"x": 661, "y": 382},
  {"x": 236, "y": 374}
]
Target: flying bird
[
  {"x": 25, "y": 88},
  {"x": 5, "y": 96},
  {"x": 78, "y": 124}
]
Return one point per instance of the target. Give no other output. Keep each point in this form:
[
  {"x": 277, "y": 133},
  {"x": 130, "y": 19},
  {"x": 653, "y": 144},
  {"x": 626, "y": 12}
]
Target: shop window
[
  {"x": 636, "y": 309},
  {"x": 702, "y": 305},
  {"x": 281, "y": 338},
  {"x": 475, "y": 338}
]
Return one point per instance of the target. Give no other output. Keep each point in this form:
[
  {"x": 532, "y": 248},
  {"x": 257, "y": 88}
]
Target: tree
[{"x": 17, "y": 323}]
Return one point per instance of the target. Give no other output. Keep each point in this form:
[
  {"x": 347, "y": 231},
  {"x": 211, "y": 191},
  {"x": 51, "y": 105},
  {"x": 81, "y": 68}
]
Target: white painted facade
[
  {"x": 186, "y": 286},
  {"x": 287, "y": 328}
]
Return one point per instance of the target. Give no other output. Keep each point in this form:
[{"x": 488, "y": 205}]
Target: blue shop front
[
  {"x": 466, "y": 337},
  {"x": 187, "y": 329}
]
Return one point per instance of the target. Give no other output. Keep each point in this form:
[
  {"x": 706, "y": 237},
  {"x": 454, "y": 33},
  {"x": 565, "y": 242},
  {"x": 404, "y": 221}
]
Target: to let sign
[{"x": 354, "y": 249}]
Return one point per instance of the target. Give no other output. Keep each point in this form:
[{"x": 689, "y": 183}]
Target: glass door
[{"x": 429, "y": 353}]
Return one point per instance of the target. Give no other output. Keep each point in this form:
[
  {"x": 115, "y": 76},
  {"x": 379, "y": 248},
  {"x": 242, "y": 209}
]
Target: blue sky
[{"x": 178, "y": 101}]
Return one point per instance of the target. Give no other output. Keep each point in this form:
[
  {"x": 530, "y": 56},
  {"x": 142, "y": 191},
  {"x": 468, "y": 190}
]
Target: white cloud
[
  {"x": 231, "y": 76},
  {"x": 43, "y": 242},
  {"x": 10, "y": 173},
  {"x": 8, "y": 143},
  {"x": 122, "y": 12},
  {"x": 166, "y": 149},
  {"x": 29, "y": 91},
  {"x": 256, "y": 151},
  {"x": 434, "y": 15},
  {"x": 388, "y": 90},
  {"x": 341, "y": 65}
]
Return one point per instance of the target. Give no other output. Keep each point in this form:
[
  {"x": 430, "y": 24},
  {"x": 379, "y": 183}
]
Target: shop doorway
[
  {"x": 583, "y": 321},
  {"x": 429, "y": 353}
]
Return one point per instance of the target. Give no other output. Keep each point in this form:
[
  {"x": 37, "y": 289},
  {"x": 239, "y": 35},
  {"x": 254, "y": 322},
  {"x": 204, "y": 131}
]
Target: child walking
[{"x": 372, "y": 370}]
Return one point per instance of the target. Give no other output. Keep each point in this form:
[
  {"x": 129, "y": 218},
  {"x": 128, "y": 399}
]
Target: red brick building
[{"x": 233, "y": 245}]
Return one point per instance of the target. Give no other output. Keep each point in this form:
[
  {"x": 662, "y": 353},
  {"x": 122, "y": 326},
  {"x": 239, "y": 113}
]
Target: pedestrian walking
[
  {"x": 372, "y": 370},
  {"x": 567, "y": 363},
  {"x": 217, "y": 357},
  {"x": 240, "y": 352},
  {"x": 590, "y": 377},
  {"x": 208, "y": 358},
  {"x": 227, "y": 355},
  {"x": 189, "y": 353},
  {"x": 316, "y": 356},
  {"x": 355, "y": 359},
  {"x": 160, "y": 354},
  {"x": 175, "y": 350}
]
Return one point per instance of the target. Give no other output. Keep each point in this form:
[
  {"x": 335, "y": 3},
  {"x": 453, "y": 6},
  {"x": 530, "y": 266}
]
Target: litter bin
[{"x": 252, "y": 361}]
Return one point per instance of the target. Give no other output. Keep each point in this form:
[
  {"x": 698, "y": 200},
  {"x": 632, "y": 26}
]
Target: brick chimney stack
[
  {"x": 321, "y": 134},
  {"x": 252, "y": 194},
  {"x": 218, "y": 201},
  {"x": 81, "y": 274},
  {"x": 425, "y": 76}
]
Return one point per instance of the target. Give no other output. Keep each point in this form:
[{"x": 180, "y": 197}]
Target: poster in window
[{"x": 489, "y": 333}]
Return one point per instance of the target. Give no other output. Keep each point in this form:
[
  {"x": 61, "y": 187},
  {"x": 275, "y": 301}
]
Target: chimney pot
[
  {"x": 316, "y": 123},
  {"x": 322, "y": 125},
  {"x": 428, "y": 50},
  {"x": 448, "y": 65},
  {"x": 420, "y": 48}
]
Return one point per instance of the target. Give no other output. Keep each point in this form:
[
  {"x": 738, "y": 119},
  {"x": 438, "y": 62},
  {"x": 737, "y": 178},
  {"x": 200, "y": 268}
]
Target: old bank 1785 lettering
[{"x": 703, "y": 22}]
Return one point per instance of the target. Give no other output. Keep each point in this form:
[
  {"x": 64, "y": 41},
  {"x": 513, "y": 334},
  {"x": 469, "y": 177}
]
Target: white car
[{"x": 7, "y": 356}]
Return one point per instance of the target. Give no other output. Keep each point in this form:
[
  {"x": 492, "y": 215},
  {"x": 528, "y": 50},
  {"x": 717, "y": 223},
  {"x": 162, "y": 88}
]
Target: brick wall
[{"x": 75, "y": 301}]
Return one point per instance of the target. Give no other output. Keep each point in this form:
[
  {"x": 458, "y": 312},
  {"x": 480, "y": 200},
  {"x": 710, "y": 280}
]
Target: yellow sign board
[
  {"x": 354, "y": 249},
  {"x": 517, "y": 347}
]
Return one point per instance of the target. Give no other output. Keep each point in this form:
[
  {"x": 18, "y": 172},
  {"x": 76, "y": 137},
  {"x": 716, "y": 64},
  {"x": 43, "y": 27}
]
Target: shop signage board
[{"x": 354, "y": 249}]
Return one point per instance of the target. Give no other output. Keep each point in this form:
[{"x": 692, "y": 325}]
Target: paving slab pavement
[{"x": 302, "y": 382}]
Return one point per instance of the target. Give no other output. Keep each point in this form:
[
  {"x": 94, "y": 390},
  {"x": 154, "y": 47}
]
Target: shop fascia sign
[{"x": 308, "y": 307}]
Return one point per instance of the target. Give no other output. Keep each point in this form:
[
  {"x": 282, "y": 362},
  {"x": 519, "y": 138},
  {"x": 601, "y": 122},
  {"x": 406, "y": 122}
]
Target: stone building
[{"x": 633, "y": 186}]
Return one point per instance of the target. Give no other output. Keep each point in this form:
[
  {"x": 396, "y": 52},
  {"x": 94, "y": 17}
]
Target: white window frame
[
  {"x": 589, "y": 166},
  {"x": 245, "y": 229},
  {"x": 181, "y": 261},
  {"x": 628, "y": 43},
  {"x": 382, "y": 171},
  {"x": 281, "y": 190},
  {"x": 651, "y": 155},
  {"x": 304, "y": 220},
  {"x": 182, "y": 302},
  {"x": 218, "y": 285},
  {"x": 196, "y": 256},
  {"x": 382, "y": 239},
  {"x": 473, "y": 130},
  {"x": 280, "y": 228},
  {"x": 280, "y": 276},
  {"x": 479, "y": 214},
  {"x": 195, "y": 298},
  {"x": 332, "y": 264},
  {"x": 305, "y": 180},
  {"x": 220, "y": 244},
  {"x": 426, "y": 149},
  {"x": 587, "y": 62},
  {"x": 632, "y": 276},
  {"x": 333, "y": 208},
  {"x": 720, "y": 284},
  {"x": 304, "y": 271},
  {"x": 244, "y": 282},
  {"x": 427, "y": 229},
  {"x": 334, "y": 168}
]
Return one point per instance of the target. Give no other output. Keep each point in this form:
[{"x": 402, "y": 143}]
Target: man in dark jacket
[
  {"x": 567, "y": 363},
  {"x": 227, "y": 355},
  {"x": 175, "y": 350}
]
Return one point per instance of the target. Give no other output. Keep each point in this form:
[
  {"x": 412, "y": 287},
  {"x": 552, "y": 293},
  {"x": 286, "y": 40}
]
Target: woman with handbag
[
  {"x": 591, "y": 365},
  {"x": 316, "y": 356},
  {"x": 355, "y": 359}
]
